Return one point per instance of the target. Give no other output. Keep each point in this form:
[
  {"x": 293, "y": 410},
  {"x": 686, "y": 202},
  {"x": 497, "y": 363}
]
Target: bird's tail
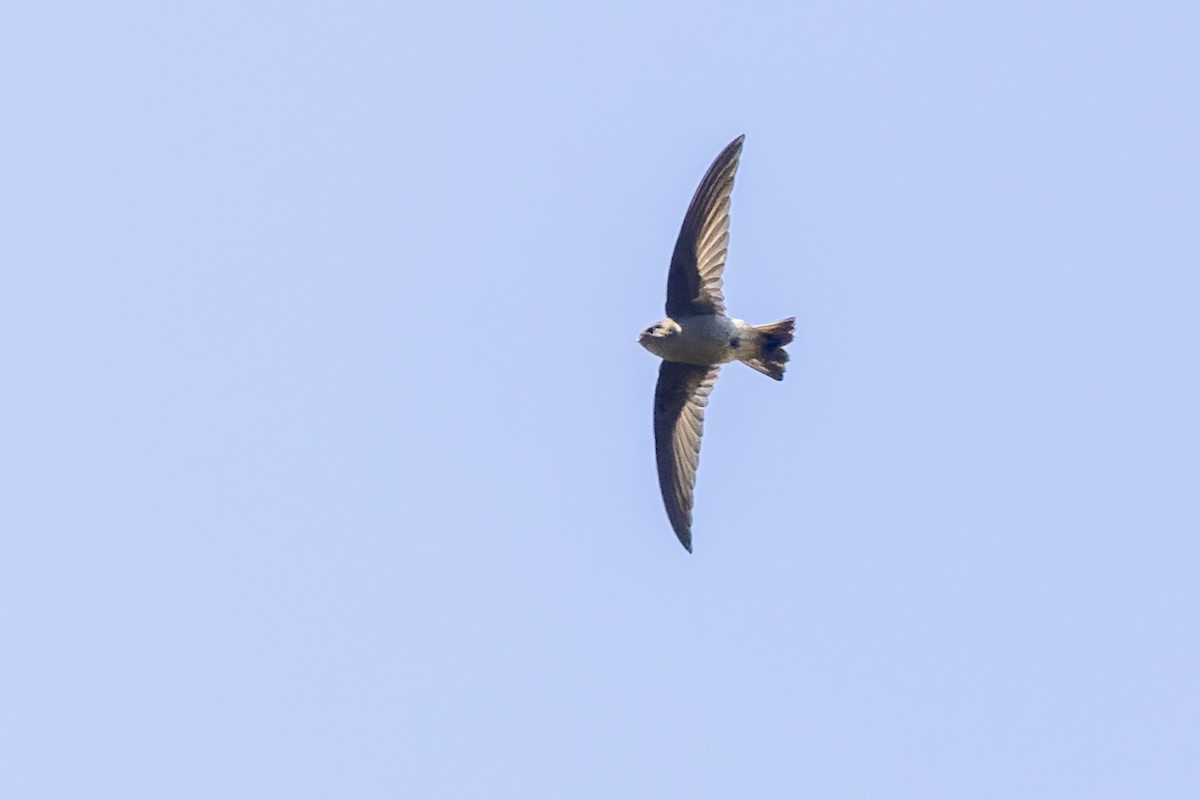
[{"x": 772, "y": 337}]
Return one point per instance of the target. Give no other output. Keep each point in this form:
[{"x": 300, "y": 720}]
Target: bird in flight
[{"x": 697, "y": 337}]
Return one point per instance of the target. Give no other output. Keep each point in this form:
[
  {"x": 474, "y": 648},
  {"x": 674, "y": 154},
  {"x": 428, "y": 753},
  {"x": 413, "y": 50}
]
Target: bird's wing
[
  {"x": 694, "y": 282},
  {"x": 679, "y": 402}
]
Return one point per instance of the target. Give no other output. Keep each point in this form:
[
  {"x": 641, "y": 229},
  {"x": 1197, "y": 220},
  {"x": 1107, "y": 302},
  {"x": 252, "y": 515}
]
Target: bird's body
[
  {"x": 697, "y": 337},
  {"x": 704, "y": 340}
]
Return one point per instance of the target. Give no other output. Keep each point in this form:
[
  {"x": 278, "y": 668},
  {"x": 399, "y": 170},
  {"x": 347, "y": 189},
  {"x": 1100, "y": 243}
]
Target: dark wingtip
[{"x": 685, "y": 540}]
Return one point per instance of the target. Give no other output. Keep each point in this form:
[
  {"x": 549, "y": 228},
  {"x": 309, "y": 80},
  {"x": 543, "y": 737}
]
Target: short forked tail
[{"x": 772, "y": 338}]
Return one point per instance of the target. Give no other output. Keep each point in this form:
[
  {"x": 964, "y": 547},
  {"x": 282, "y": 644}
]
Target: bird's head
[{"x": 655, "y": 335}]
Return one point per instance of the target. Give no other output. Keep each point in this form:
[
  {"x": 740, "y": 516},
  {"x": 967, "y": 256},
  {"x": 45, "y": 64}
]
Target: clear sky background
[{"x": 326, "y": 465}]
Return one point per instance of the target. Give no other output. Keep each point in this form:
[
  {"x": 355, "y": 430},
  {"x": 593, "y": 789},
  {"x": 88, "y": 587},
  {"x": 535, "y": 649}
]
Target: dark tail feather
[{"x": 772, "y": 338}]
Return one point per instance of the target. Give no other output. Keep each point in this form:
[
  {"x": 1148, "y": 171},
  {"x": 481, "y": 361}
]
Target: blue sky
[{"x": 327, "y": 461}]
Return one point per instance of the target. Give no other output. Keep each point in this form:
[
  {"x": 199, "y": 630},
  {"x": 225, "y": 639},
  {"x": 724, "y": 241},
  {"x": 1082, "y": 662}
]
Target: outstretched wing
[
  {"x": 679, "y": 402},
  {"x": 694, "y": 282}
]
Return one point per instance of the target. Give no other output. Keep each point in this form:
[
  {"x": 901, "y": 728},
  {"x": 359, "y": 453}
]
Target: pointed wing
[
  {"x": 679, "y": 402},
  {"x": 694, "y": 282}
]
